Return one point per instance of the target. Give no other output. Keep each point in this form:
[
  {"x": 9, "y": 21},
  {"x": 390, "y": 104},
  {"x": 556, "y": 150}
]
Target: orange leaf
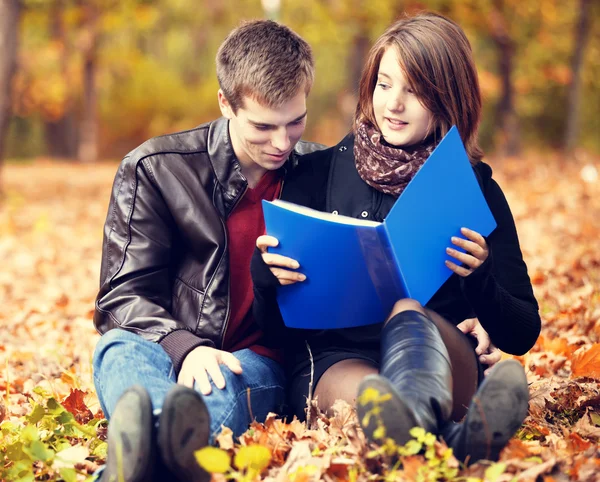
[
  {"x": 75, "y": 404},
  {"x": 587, "y": 364},
  {"x": 577, "y": 444}
]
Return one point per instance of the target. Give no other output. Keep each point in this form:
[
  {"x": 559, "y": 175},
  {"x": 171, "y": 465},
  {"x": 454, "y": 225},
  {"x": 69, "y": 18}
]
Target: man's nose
[{"x": 281, "y": 140}]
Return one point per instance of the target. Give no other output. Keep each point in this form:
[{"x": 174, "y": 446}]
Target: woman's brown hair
[{"x": 436, "y": 57}]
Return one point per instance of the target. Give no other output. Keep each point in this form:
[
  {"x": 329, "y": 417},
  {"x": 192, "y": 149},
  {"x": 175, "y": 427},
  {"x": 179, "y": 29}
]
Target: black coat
[{"x": 498, "y": 293}]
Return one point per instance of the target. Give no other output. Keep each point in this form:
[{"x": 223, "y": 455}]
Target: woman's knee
[
  {"x": 405, "y": 304},
  {"x": 341, "y": 381}
]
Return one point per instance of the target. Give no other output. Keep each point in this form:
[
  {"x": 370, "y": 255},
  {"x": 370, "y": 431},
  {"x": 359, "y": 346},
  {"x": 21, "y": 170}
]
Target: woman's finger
[
  {"x": 459, "y": 270},
  {"x": 470, "y": 261},
  {"x": 474, "y": 236},
  {"x": 470, "y": 247},
  {"x": 273, "y": 259},
  {"x": 492, "y": 357},
  {"x": 483, "y": 340}
]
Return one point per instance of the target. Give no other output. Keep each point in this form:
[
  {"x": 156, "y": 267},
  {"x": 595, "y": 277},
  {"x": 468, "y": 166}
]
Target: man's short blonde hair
[{"x": 265, "y": 61}]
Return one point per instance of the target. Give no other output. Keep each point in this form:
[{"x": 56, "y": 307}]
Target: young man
[{"x": 175, "y": 300}]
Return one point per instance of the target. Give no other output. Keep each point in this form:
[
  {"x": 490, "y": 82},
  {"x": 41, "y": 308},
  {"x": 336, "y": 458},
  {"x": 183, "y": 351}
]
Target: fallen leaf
[{"x": 587, "y": 363}]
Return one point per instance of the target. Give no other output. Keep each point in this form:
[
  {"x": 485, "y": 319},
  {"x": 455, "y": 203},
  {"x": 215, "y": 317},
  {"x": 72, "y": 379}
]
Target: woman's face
[{"x": 401, "y": 118}]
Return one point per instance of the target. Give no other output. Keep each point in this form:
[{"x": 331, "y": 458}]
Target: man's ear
[{"x": 224, "y": 105}]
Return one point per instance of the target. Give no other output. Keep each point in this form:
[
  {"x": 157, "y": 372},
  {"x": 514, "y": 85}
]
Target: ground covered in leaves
[{"x": 50, "y": 238}]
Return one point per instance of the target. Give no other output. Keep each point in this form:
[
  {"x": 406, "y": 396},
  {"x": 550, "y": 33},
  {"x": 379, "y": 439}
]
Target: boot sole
[
  {"x": 396, "y": 416},
  {"x": 495, "y": 413},
  {"x": 184, "y": 427},
  {"x": 131, "y": 450}
]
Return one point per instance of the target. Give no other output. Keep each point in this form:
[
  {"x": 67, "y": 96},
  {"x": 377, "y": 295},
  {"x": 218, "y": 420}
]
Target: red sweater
[{"x": 244, "y": 225}]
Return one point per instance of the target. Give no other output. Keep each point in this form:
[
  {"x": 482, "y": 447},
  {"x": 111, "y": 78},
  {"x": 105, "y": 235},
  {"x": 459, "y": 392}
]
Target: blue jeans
[{"x": 123, "y": 359}]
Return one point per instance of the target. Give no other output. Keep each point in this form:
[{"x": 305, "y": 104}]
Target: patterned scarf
[{"x": 383, "y": 167}]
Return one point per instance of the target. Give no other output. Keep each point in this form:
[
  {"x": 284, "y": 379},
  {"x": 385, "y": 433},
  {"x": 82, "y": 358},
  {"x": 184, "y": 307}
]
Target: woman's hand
[
  {"x": 488, "y": 354},
  {"x": 277, "y": 263},
  {"x": 476, "y": 253}
]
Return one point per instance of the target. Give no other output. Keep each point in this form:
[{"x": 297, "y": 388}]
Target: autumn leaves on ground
[{"x": 50, "y": 237}]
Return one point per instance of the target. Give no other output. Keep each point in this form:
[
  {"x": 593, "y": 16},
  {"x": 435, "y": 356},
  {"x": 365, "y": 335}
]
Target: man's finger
[
  {"x": 202, "y": 382},
  {"x": 263, "y": 242},
  {"x": 185, "y": 378},
  {"x": 273, "y": 259},
  {"x": 231, "y": 362},
  {"x": 285, "y": 275},
  {"x": 214, "y": 370}
]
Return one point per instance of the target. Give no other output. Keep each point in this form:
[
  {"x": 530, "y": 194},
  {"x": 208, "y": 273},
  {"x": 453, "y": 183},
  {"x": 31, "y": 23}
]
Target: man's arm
[{"x": 135, "y": 284}]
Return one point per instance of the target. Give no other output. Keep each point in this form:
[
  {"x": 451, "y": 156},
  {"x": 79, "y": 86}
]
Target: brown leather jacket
[{"x": 165, "y": 266}]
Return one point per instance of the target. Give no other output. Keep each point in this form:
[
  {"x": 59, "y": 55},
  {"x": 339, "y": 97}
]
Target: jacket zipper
[
  {"x": 222, "y": 338},
  {"x": 226, "y": 247}
]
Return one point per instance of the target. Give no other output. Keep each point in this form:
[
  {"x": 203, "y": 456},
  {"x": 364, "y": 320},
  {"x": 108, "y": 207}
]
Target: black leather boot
[
  {"x": 495, "y": 414},
  {"x": 415, "y": 378},
  {"x": 183, "y": 428},
  {"x": 131, "y": 441}
]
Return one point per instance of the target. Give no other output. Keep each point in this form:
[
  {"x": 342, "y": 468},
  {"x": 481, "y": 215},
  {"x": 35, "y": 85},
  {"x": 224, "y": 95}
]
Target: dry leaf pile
[{"x": 50, "y": 239}]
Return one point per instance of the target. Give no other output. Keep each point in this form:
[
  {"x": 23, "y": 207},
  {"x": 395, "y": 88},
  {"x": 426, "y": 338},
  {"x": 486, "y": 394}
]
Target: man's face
[{"x": 262, "y": 136}]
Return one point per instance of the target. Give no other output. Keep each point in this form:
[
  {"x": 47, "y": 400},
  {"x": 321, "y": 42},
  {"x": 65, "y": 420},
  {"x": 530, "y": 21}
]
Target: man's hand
[
  {"x": 203, "y": 361},
  {"x": 276, "y": 262},
  {"x": 487, "y": 352}
]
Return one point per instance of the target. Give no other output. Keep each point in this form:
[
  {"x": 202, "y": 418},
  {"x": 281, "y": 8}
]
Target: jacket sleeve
[
  {"x": 500, "y": 290},
  {"x": 135, "y": 283},
  {"x": 265, "y": 308}
]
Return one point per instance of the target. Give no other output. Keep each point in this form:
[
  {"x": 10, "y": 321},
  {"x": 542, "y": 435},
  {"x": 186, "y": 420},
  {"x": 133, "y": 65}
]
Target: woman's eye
[{"x": 382, "y": 85}]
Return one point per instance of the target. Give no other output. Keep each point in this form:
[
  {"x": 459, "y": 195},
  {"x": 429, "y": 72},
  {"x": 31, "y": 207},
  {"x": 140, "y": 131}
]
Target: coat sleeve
[
  {"x": 500, "y": 290},
  {"x": 135, "y": 284}
]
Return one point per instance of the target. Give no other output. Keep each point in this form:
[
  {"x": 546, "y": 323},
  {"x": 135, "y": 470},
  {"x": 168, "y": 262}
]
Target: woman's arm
[{"x": 500, "y": 291}]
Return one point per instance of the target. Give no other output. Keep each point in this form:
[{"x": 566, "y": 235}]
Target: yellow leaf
[
  {"x": 379, "y": 433},
  {"x": 213, "y": 460},
  {"x": 254, "y": 457}
]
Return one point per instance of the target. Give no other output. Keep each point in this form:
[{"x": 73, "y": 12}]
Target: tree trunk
[
  {"x": 507, "y": 116},
  {"x": 87, "y": 150},
  {"x": 582, "y": 31},
  {"x": 61, "y": 137},
  {"x": 9, "y": 35},
  {"x": 61, "y": 134}
]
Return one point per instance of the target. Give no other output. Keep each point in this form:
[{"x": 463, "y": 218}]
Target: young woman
[{"x": 418, "y": 81}]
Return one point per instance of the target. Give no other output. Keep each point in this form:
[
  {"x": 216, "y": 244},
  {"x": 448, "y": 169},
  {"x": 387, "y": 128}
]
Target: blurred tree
[
  {"x": 87, "y": 149},
  {"x": 507, "y": 116},
  {"x": 9, "y": 34},
  {"x": 582, "y": 34},
  {"x": 60, "y": 133},
  {"x": 150, "y": 66}
]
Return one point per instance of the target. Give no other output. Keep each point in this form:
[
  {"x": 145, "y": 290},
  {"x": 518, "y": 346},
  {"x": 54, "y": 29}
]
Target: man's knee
[
  {"x": 405, "y": 304},
  {"x": 110, "y": 339}
]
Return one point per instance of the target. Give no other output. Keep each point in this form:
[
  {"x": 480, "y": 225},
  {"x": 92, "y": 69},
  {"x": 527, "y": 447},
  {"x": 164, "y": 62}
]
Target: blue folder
[{"x": 356, "y": 270}]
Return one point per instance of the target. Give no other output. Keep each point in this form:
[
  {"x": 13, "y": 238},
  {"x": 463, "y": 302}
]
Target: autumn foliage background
[{"x": 93, "y": 79}]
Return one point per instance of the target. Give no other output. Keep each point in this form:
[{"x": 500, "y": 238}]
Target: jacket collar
[{"x": 227, "y": 168}]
